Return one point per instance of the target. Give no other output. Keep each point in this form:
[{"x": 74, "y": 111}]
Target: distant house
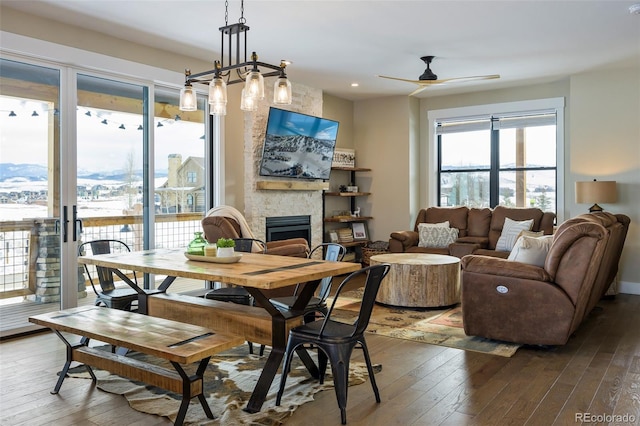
[{"x": 183, "y": 192}]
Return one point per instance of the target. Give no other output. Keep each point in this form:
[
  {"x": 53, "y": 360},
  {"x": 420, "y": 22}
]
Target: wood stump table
[{"x": 419, "y": 280}]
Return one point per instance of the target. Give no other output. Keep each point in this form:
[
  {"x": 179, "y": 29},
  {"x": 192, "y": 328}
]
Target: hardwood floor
[{"x": 597, "y": 372}]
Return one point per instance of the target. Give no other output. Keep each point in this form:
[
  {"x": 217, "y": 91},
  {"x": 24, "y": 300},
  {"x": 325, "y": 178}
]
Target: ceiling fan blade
[
  {"x": 418, "y": 90},
  {"x": 406, "y": 80},
  {"x": 464, "y": 79},
  {"x": 443, "y": 80}
]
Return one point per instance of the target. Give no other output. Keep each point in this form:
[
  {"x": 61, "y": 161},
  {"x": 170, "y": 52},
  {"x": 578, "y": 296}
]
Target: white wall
[{"x": 604, "y": 125}]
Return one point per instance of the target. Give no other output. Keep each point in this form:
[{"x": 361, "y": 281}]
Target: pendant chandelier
[{"x": 234, "y": 71}]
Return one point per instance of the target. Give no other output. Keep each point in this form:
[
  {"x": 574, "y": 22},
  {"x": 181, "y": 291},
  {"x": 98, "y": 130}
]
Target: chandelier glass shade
[
  {"x": 236, "y": 69},
  {"x": 248, "y": 103},
  {"x": 282, "y": 91}
]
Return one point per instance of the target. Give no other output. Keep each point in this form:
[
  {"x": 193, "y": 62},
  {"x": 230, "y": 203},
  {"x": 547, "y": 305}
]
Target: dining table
[{"x": 256, "y": 272}]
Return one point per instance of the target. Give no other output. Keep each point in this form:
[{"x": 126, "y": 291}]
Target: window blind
[
  {"x": 496, "y": 122},
  {"x": 547, "y": 118},
  {"x": 468, "y": 124}
]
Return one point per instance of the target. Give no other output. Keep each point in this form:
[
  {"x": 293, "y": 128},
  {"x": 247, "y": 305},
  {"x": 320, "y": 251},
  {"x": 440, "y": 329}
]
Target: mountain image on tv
[{"x": 298, "y": 145}]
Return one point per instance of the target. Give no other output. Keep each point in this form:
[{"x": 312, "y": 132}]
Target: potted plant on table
[{"x": 225, "y": 247}]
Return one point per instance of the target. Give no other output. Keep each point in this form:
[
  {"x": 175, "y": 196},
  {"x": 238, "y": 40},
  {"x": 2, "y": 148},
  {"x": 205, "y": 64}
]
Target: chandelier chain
[
  {"x": 242, "y": 20},
  {"x": 226, "y": 13}
]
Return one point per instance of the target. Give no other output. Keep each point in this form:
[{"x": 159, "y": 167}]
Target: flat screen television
[{"x": 298, "y": 145}]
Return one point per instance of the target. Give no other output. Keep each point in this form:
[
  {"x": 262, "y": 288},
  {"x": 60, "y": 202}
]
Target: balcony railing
[{"x": 30, "y": 252}]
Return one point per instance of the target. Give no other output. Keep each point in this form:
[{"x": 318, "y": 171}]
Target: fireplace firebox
[{"x": 285, "y": 227}]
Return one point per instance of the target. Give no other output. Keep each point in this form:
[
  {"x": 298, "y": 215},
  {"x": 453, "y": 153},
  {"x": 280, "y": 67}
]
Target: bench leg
[
  {"x": 67, "y": 364},
  {"x": 186, "y": 390}
]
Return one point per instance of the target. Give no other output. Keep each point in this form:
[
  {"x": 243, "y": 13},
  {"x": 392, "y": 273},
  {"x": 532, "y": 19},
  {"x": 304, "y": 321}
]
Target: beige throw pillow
[
  {"x": 531, "y": 250},
  {"x": 510, "y": 232},
  {"x": 437, "y": 236}
]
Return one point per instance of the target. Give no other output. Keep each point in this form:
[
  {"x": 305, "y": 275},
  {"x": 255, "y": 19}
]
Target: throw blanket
[{"x": 233, "y": 213}]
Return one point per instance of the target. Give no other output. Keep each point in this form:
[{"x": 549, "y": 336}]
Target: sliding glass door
[
  {"x": 86, "y": 156},
  {"x": 30, "y": 193}
]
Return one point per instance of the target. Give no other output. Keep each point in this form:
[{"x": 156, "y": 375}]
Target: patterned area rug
[
  {"x": 441, "y": 327},
  {"x": 229, "y": 380}
]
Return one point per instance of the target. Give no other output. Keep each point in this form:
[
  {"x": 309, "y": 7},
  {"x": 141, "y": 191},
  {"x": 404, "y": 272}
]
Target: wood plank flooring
[{"x": 597, "y": 372}]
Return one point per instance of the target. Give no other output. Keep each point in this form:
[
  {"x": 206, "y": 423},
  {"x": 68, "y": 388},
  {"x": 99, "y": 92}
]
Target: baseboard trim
[{"x": 628, "y": 287}]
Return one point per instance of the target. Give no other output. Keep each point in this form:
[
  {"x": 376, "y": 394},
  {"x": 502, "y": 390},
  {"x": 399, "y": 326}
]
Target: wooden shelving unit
[{"x": 332, "y": 222}]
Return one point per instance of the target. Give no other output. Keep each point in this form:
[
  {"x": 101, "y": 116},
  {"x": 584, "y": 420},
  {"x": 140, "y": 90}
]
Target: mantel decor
[{"x": 237, "y": 69}]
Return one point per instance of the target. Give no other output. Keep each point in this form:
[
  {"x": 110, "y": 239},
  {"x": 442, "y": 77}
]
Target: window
[
  {"x": 191, "y": 177},
  {"x": 498, "y": 158}
]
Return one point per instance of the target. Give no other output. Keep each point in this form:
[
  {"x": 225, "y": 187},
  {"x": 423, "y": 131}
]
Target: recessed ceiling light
[
  {"x": 634, "y": 9},
  {"x": 354, "y": 85}
]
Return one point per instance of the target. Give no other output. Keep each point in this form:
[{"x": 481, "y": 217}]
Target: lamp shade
[{"x": 595, "y": 191}]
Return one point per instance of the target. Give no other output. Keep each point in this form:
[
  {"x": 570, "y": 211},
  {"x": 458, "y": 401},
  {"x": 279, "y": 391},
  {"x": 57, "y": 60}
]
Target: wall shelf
[
  {"x": 347, "y": 194},
  {"x": 346, "y": 219}
]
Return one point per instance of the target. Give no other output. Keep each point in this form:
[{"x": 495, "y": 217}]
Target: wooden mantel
[{"x": 292, "y": 185}]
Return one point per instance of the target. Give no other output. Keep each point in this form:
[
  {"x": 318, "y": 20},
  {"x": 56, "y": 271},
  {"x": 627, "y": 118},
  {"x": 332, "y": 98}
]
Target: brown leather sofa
[
  {"x": 479, "y": 229},
  {"x": 225, "y": 227},
  {"x": 522, "y": 303}
]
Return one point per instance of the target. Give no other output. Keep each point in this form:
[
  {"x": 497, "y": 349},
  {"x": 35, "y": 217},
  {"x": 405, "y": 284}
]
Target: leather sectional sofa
[
  {"x": 529, "y": 304},
  {"x": 478, "y": 229}
]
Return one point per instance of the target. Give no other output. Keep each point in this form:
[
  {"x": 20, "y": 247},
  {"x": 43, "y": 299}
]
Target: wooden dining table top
[{"x": 262, "y": 271}]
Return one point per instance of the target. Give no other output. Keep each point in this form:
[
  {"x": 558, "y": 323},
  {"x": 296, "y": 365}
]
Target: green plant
[{"x": 225, "y": 242}]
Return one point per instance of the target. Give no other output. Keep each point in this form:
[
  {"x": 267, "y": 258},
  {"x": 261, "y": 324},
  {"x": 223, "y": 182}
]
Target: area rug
[
  {"x": 229, "y": 379},
  {"x": 441, "y": 327}
]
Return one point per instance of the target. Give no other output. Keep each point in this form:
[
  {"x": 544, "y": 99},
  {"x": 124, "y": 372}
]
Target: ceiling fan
[{"x": 428, "y": 78}]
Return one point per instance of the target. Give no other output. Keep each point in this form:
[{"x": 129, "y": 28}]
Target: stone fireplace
[{"x": 260, "y": 203}]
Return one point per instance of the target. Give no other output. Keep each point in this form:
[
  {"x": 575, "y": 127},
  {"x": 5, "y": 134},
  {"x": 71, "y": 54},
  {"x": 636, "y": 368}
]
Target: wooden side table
[{"x": 419, "y": 280}]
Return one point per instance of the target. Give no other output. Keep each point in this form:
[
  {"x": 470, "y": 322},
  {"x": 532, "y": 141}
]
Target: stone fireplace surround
[{"x": 259, "y": 203}]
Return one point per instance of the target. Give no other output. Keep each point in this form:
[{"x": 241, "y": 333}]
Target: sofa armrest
[
  {"x": 462, "y": 249},
  {"x": 401, "y": 240},
  {"x": 504, "y": 268}
]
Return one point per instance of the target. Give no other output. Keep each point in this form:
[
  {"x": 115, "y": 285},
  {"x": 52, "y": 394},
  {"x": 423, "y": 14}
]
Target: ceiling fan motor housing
[{"x": 428, "y": 74}]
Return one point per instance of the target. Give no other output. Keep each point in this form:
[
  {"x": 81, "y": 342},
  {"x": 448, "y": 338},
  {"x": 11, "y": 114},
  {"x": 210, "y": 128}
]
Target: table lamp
[{"x": 595, "y": 192}]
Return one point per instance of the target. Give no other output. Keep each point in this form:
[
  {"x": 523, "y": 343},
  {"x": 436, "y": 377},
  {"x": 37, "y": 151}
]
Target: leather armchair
[
  {"x": 225, "y": 227},
  {"x": 522, "y": 303}
]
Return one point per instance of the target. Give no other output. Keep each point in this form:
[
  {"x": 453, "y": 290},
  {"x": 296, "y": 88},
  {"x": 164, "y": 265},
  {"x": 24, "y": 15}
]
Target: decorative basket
[{"x": 373, "y": 248}]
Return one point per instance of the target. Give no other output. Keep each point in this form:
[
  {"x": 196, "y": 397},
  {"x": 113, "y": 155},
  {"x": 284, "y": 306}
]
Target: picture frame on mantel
[
  {"x": 343, "y": 157},
  {"x": 359, "y": 231}
]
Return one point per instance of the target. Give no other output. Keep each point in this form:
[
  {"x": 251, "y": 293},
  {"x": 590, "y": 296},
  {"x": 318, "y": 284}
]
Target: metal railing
[{"x": 21, "y": 241}]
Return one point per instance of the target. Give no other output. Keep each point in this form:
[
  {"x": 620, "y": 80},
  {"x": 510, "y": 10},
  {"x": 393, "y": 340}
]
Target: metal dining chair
[
  {"x": 111, "y": 296},
  {"x": 332, "y": 252},
  {"x": 336, "y": 340}
]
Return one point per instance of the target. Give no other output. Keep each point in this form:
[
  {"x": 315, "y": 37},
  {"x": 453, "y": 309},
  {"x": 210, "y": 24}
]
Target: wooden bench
[
  {"x": 253, "y": 323},
  {"x": 179, "y": 343}
]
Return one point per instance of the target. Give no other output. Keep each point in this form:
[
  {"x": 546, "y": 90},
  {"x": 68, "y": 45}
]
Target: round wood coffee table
[{"x": 419, "y": 280}]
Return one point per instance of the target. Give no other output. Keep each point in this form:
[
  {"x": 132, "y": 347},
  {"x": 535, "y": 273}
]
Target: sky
[{"x": 101, "y": 147}]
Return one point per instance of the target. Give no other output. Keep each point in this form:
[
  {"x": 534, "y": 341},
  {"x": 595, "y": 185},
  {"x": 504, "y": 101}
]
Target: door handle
[
  {"x": 65, "y": 223},
  {"x": 77, "y": 225}
]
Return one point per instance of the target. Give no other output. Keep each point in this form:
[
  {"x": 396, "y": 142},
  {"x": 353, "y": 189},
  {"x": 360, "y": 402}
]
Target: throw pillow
[
  {"x": 444, "y": 224},
  {"x": 510, "y": 231},
  {"x": 531, "y": 250},
  {"x": 530, "y": 234},
  {"x": 436, "y": 236}
]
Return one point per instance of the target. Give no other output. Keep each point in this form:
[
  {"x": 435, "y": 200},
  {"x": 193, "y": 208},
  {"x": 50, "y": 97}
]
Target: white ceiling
[{"x": 335, "y": 43}]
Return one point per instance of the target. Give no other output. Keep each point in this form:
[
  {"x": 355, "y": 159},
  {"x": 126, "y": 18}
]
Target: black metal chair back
[
  {"x": 336, "y": 340},
  {"x": 109, "y": 294},
  {"x": 245, "y": 245},
  {"x": 333, "y": 252}
]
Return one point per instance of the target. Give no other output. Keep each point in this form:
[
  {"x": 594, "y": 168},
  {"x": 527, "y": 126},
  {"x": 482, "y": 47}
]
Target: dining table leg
[{"x": 278, "y": 346}]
